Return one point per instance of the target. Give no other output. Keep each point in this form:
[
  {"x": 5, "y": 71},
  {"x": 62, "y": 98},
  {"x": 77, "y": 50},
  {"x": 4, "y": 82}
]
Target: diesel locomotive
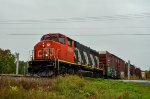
[{"x": 58, "y": 54}]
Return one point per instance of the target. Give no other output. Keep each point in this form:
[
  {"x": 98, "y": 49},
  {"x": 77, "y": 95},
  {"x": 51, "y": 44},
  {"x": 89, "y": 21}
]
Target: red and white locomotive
[{"x": 58, "y": 54}]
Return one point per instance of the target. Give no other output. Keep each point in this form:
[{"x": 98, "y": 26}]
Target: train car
[
  {"x": 132, "y": 70},
  {"x": 144, "y": 75},
  {"x": 114, "y": 66},
  {"x": 138, "y": 73},
  {"x": 126, "y": 70},
  {"x": 58, "y": 54},
  {"x": 122, "y": 64},
  {"x": 135, "y": 73}
]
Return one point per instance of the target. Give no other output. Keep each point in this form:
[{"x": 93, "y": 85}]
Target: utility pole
[
  {"x": 128, "y": 69},
  {"x": 17, "y": 63}
]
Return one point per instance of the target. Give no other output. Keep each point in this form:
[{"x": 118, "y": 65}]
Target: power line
[
  {"x": 91, "y": 34},
  {"x": 79, "y": 19},
  {"x": 82, "y": 28}
]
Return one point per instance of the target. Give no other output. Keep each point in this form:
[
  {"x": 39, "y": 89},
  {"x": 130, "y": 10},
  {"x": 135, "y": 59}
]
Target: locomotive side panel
[{"x": 86, "y": 56}]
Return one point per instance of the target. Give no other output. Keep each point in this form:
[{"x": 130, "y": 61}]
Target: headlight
[{"x": 46, "y": 55}]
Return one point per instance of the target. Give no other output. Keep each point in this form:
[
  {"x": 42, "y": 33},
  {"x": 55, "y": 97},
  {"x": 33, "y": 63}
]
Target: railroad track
[
  {"x": 19, "y": 76},
  {"x": 24, "y": 76}
]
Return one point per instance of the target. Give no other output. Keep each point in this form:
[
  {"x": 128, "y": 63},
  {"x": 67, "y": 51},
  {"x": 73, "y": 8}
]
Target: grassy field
[{"x": 70, "y": 87}]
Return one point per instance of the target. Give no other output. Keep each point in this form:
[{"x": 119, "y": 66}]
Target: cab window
[
  {"x": 61, "y": 40},
  {"x": 47, "y": 38},
  {"x": 55, "y": 37},
  {"x": 69, "y": 42}
]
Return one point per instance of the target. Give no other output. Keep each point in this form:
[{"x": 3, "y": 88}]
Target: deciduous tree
[{"x": 7, "y": 61}]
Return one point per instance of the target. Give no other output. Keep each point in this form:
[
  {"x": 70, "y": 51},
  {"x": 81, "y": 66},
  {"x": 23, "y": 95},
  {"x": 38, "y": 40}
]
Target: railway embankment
[{"x": 70, "y": 87}]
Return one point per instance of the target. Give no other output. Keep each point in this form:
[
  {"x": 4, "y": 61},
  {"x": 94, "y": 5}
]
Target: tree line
[{"x": 8, "y": 63}]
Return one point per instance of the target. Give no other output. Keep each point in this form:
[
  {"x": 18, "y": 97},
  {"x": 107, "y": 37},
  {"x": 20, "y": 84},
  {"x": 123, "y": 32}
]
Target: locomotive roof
[
  {"x": 69, "y": 38},
  {"x": 54, "y": 34},
  {"x": 57, "y": 34}
]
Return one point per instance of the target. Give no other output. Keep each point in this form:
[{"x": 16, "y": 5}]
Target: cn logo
[
  {"x": 44, "y": 52},
  {"x": 40, "y": 53}
]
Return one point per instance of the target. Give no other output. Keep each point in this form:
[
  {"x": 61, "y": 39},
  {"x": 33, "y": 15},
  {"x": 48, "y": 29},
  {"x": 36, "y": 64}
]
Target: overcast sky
[{"x": 79, "y": 17}]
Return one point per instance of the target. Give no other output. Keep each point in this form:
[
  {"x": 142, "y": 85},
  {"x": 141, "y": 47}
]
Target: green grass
[{"x": 70, "y": 87}]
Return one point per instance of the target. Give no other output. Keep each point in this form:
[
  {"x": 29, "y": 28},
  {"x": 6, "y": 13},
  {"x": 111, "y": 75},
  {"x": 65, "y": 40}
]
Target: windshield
[
  {"x": 57, "y": 38},
  {"x": 61, "y": 40},
  {"x": 47, "y": 38}
]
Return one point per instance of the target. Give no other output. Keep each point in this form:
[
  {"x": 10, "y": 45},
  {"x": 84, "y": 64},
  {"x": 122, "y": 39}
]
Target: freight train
[
  {"x": 57, "y": 54},
  {"x": 115, "y": 67}
]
